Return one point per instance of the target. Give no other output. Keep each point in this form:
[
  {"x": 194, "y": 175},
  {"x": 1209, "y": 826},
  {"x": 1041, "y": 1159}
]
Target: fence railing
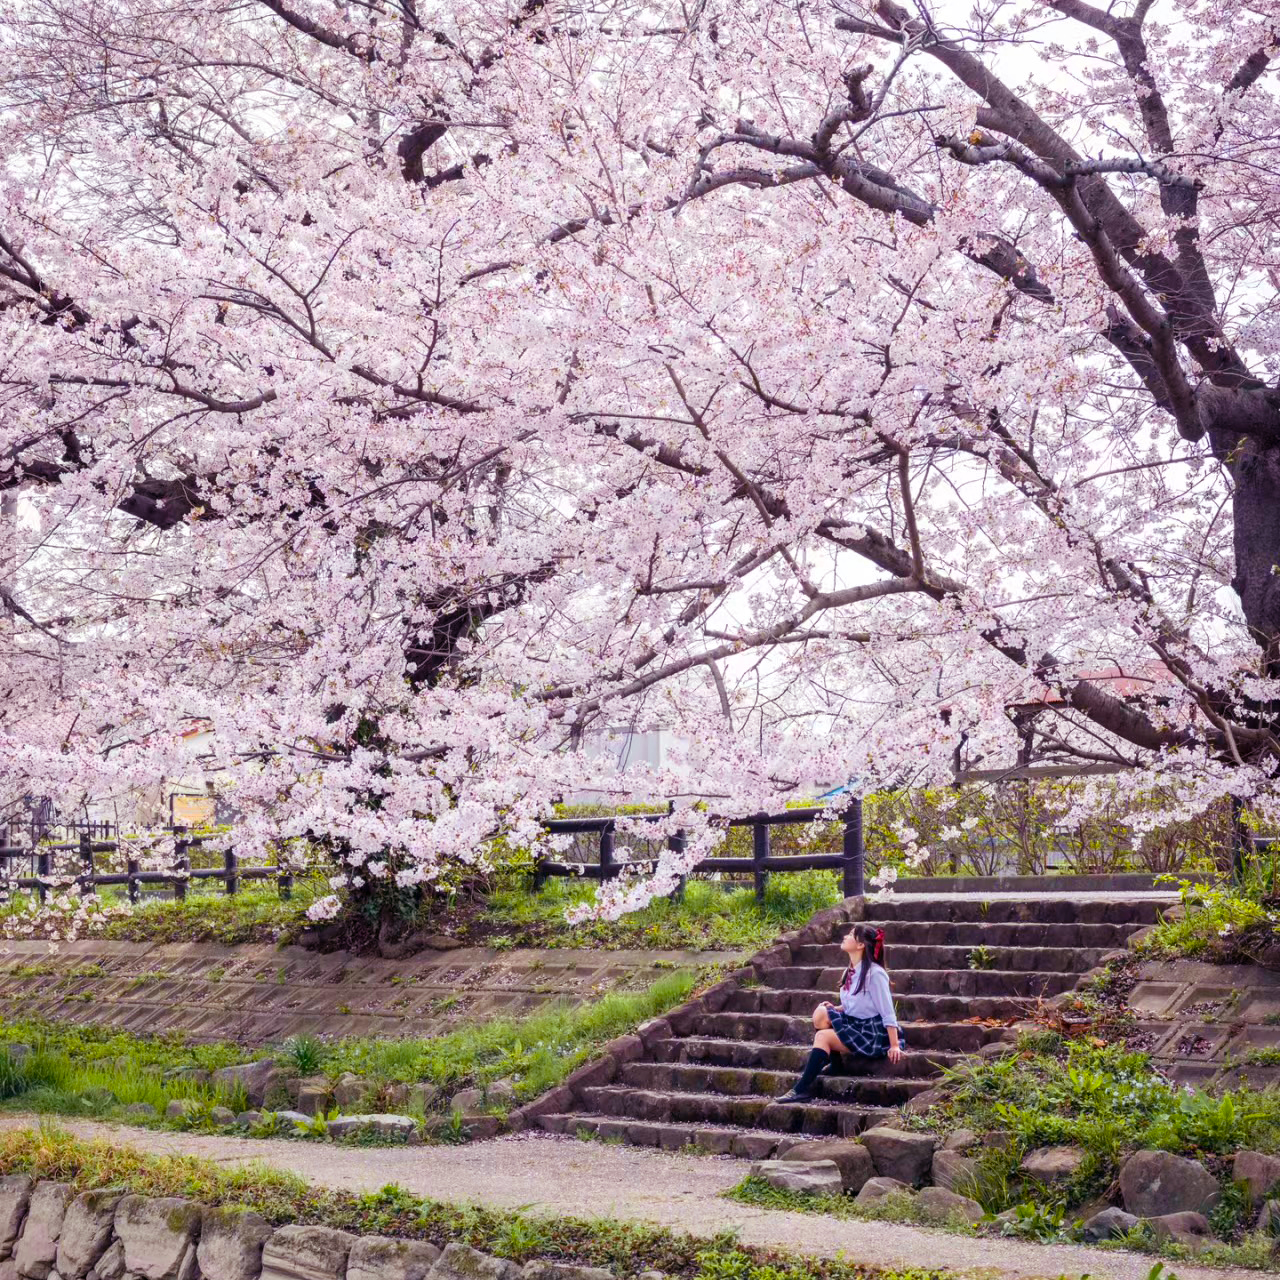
[
  {"x": 42, "y": 876},
  {"x": 850, "y": 861}
]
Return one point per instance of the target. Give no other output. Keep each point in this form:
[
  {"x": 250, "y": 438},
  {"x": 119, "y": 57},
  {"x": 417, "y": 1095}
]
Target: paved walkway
[{"x": 591, "y": 1180}]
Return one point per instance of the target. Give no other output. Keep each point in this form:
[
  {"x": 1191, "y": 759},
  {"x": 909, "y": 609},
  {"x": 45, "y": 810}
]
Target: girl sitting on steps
[{"x": 863, "y": 1023}]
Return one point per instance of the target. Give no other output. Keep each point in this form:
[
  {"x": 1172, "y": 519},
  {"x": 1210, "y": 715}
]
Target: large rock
[
  {"x": 349, "y": 1090},
  {"x": 937, "y": 1204},
  {"x": 231, "y": 1243},
  {"x": 461, "y": 1262},
  {"x": 1259, "y": 1173},
  {"x": 382, "y": 1258},
  {"x": 540, "y": 1270},
  {"x": 1269, "y": 1218},
  {"x": 111, "y": 1265},
  {"x": 501, "y": 1093},
  {"x": 851, "y": 1158},
  {"x": 15, "y": 1195},
  {"x": 817, "y": 1176},
  {"x": 257, "y": 1079},
  {"x": 954, "y": 1172},
  {"x": 404, "y": 1128},
  {"x": 467, "y": 1100},
  {"x": 877, "y": 1188},
  {"x": 1154, "y": 1184},
  {"x": 306, "y": 1253},
  {"x": 159, "y": 1237},
  {"x": 901, "y": 1155},
  {"x": 313, "y": 1095},
  {"x": 1186, "y": 1228},
  {"x": 1052, "y": 1166},
  {"x": 86, "y": 1232},
  {"x": 37, "y": 1247},
  {"x": 1110, "y": 1224},
  {"x": 961, "y": 1140}
]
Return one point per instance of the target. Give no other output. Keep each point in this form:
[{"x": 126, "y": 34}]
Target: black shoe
[{"x": 793, "y": 1096}]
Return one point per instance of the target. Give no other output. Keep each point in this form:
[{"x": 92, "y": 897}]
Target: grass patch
[
  {"x": 896, "y": 1207},
  {"x": 1224, "y": 924},
  {"x": 625, "y": 1247},
  {"x": 709, "y": 917}
]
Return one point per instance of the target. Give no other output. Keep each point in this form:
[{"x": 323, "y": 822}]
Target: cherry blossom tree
[{"x": 412, "y": 390}]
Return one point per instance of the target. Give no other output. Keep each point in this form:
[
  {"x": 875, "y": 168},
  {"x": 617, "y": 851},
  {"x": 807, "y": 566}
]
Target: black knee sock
[{"x": 818, "y": 1058}]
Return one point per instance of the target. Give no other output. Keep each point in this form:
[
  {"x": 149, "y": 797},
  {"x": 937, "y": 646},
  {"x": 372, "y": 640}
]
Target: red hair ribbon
[{"x": 877, "y": 952}]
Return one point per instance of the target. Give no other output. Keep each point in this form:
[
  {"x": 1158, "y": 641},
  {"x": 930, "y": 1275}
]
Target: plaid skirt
[{"x": 867, "y": 1037}]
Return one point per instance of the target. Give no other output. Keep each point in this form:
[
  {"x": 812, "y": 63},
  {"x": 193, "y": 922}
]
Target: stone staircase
[{"x": 706, "y": 1075}]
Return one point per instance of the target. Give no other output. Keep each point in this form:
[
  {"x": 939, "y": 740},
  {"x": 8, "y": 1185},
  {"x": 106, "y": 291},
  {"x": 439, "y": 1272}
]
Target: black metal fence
[{"x": 850, "y": 861}]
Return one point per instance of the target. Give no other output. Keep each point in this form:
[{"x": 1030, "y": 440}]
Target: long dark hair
[{"x": 872, "y": 939}]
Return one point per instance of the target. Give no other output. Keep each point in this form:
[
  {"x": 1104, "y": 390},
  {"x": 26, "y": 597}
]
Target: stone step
[
  {"x": 737, "y": 1082},
  {"x": 1028, "y": 959},
  {"x": 1012, "y": 933},
  {"x": 790, "y": 1029},
  {"x": 910, "y": 1008},
  {"x": 915, "y": 907},
  {"x": 740, "y": 1111},
  {"x": 926, "y": 982},
  {"x": 750, "y": 1144},
  {"x": 770, "y": 1055}
]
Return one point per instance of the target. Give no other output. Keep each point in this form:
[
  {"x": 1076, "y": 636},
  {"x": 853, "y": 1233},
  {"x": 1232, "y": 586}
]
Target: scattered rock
[
  {"x": 18, "y": 1053},
  {"x": 938, "y": 1204},
  {"x": 223, "y": 1117},
  {"x": 396, "y": 1094},
  {"x": 564, "y": 1271},
  {"x": 997, "y": 1140},
  {"x": 111, "y": 1265},
  {"x": 1258, "y": 1172},
  {"x": 405, "y": 1128},
  {"x": 961, "y": 1140},
  {"x": 1052, "y": 1166},
  {"x": 954, "y": 1172},
  {"x": 247, "y": 1119},
  {"x": 159, "y": 1236},
  {"x": 997, "y": 1049},
  {"x": 382, "y": 1258},
  {"x": 1110, "y": 1224},
  {"x": 306, "y": 1253},
  {"x": 312, "y": 1096},
  {"x": 197, "y": 1075},
  {"x": 1155, "y": 1184},
  {"x": 141, "y": 1111},
  {"x": 257, "y": 1079},
  {"x": 810, "y": 1176},
  {"x": 1269, "y": 1218},
  {"x": 901, "y": 1155},
  {"x": 441, "y": 942},
  {"x": 466, "y": 1100},
  {"x": 290, "y": 1118},
  {"x": 420, "y": 1096},
  {"x": 461, "y": 1262},
  {"x": 37, "y": 1247},
  {"x": 231, "y": 1242},
  {"x": 851, "y": 1158},
  {"x": 919, "y": 1103},
  {"x": 86, "y": 1232},
  {"x": 501, "y": 1093},
  {"x": 177, "y": 1108},
  {"x": 1191, "y": 1229},
  {"x": 15, "y": 1194},
  {"x": 350, "y": 1090},
  {"x": 877, "y": 1188}
]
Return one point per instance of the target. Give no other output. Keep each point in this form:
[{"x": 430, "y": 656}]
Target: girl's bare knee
[{"x": 821, "y": 1018}]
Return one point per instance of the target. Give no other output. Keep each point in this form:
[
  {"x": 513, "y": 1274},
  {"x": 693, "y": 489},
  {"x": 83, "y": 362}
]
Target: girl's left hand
[{"x": 895, "y": 1054}]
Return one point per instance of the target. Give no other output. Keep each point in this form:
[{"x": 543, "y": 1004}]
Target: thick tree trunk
[{"x": 1255, "y": 470}]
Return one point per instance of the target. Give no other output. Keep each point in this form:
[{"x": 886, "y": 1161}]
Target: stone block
[
  {"x": 1260, "y": 1173},
  {"x": 15, "y": 1195},
  {"x": 37, "y": 1247},
  {"x": 1185, "y": 1228},
  {"x": 177, "y": 1108},
  {"x": 937, "y": 1204},
  {"x": 223, "y": 1117},
  {"x": 921, "y": 1102},
  {"x": 961, "y": 1140},
  {"x": 1110, "y": 1224},
  {"x": 306, "y": 1253},
  {"x": 349, "y": 1090},
  {"x": 1155, "y": 1184},
  {"x": 851, "y": 1158},
  {"x": 257, "y": 1079},
  {"x": 231, "y": 1242},
  {"x": 382, "y": 1258},
  {"x": 809, "y": 1176},
  {"x": 86, "y": 1232},
  {"x": 401, "y": 1128},
  {"x": 111, "y": 1265},
  {"x": 899, "y": 1154},
  {"x": 501, "y": 1093},
  {"x": 159, "y": 1237},
  {"x": 461, "y": 1262},
  {"x": 753, "y": 1146},
  {"x": 877, "y": 1188},
  {"x": 1052, "y": 1166},
  {"x": 1268, "y": 1219},
  {"x": 313, "y": 1096},
  {"x": 539, "y": 1270},
  {"x": 954, "y": 1172}
]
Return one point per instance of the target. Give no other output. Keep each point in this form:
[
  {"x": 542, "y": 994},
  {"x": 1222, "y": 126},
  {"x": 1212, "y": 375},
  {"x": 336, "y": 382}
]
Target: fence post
[
  {"x": 182, "y": 868},
  {"x": 854, "y": 853},
  {"x": 230, "y": 865},
  {"x": 133, "y": 868},
  {"x": 607, "y": 869},
  {"x": 1239, "y": 839},
  {"x": 759, "y": 852},
  {"x": 44, "y": 869},
  {"x": 284, "y": 881},
  {"x": 86, "y": 858},
  {"x": 539, "y": 876},
  {"x": 676, "y": 844}
]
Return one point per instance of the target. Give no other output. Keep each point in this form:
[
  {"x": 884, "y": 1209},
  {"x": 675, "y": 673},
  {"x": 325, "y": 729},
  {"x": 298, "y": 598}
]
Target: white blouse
[{"x": 875, "y": 998}]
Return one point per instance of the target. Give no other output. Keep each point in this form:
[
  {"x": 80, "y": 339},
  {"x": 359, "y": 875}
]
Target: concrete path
[{"x": 553, "y": 1175}]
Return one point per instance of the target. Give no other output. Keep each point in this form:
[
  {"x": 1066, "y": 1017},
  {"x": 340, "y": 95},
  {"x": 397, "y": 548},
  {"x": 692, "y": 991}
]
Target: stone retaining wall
[
  {"x": 48, "y": 1232},
  {"x": 260, "y": 994}
]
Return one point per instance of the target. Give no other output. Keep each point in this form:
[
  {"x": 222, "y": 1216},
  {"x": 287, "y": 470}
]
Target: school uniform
[{"x": 863, "y": 1018}]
